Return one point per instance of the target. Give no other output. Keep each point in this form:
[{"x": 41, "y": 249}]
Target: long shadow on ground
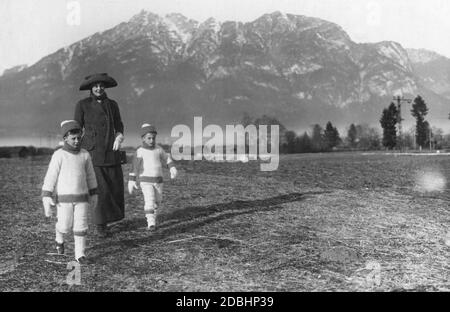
[{"x": 193, "y": 217}]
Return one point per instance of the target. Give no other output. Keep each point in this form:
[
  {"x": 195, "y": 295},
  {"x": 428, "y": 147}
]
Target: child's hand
[
  {"x": 48, "y": 204},
  {"x": 131, "y": 186},
  {"x": 93, "y": 201},
  {"x": 173, "y": 173}
]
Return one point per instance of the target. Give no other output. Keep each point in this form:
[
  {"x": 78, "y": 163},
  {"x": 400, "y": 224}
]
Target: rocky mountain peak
[
  {"x": 422, "y": 56},
  {"x": 394, "y": 52},
  {"x": 145, "y": 18},
  {"x": 15, "y": 69}
]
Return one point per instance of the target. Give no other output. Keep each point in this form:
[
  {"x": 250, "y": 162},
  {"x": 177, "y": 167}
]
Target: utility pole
[
  {"x": 400, "y": 100},
  {"x": 430, "y": 135}
]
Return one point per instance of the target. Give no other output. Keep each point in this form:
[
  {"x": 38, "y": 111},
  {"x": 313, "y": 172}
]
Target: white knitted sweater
[
  {"x": 148, "y": 164},
  {"x": 71, "y": 176}
]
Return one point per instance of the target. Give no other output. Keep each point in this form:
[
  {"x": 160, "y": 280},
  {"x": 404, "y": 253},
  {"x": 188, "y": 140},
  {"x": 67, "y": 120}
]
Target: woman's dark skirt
[{"x": 111, "y": 202}]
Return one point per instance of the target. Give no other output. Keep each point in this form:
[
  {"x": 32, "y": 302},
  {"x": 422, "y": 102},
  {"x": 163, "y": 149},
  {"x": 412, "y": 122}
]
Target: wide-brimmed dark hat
[{"x": 107, "y": 80}]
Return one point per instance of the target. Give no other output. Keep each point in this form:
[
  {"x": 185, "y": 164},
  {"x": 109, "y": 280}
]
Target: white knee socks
[
  {"x": 80, "y": 246},
  {"x": 59, "y": 237},
  {"x": 150, "y": 219}
]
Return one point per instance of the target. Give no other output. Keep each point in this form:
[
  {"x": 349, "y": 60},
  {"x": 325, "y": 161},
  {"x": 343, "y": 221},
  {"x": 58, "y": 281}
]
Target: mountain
[
  {"x": 14, "y": 69},
  {"x": 432, "y": 69},
  {"x": 299, "y": 69}
]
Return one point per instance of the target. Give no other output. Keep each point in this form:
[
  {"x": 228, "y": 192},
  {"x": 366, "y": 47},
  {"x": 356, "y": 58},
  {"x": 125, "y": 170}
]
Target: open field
[{"x": 323, "y": 222}]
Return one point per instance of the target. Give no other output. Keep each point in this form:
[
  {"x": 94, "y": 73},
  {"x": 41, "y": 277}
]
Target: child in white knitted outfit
[
  {"x": 71, "y": 178},
  {"x": 148, "y": 162}
]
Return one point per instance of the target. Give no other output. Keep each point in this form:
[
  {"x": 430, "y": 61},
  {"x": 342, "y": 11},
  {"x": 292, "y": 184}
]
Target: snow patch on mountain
[
  {"x": 422, "y": 56},
  {"x": 394, "y": 51},
  {"x": 220, "y": 72},
  {"x": 266, "y": 85},
  {"x": 211, "y": 24},
  {"x": 125, "y": 61},
  {"x": 139, "y": 91},
  {"x": 270, "y": 69},
  {"x": 176, "y": 31},
  {"x": 300, "y": 95},
  {"x": 320, "y": 36},
  {"x": 32, "y": 79},
  {"x": 301, "y": 69},
  {"x": 67, "y": 55},
  {"x": 409, "y": 87}
]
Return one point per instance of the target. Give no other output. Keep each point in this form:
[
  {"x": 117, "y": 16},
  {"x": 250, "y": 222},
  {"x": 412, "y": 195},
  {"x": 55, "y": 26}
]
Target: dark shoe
[
  {"x": 83, "y": 260},
  {"x": 59, "y": 248}
]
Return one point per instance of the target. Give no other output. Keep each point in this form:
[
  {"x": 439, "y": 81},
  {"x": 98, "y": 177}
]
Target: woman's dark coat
[{"x": 101, "y": 122}]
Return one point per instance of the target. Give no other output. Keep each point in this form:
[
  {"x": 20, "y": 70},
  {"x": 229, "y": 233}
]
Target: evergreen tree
[
  {"x": 304, "y": 144},
  {"x": 331, "y": 136},
  {"x": 419, "y": 111},
  {"x": 428, "y": 134},
  {"x": 367, "y": 137},
  {"x": 373, "y": 139},
  {"x": 317, "y": 138},
  {"x": 291, "y": 142},
  {"x": 388, "y": 122},
  {"x": 352, "y": 135}
]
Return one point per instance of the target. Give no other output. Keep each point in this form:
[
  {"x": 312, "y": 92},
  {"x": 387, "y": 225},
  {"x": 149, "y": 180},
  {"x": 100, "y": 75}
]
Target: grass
[{"x": 323, "y": 222}]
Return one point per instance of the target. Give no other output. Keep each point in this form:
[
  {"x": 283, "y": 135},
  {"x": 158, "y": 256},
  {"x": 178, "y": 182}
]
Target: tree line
[
  {"x": 362, "y": 137},
  {"x": 422, "y": 136},
  {"x": 320, "y": 139},
  {"x": 359, "y": 137}
]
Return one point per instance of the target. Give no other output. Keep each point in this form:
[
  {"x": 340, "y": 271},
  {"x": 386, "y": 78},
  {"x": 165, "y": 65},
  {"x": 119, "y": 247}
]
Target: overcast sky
[{"x": 30, "y": 29}]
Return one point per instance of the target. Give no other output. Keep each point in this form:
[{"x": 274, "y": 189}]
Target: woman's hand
[
  {"x": 132, "y": 185},
  {"x": 118, "y": 141}
]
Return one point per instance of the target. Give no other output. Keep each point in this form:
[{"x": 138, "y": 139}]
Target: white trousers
[
  {"x": 153, "y": 198},
  {"x": 73, "y": 217}
]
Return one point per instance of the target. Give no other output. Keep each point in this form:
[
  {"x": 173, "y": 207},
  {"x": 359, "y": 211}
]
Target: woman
[{"x": 103, "y": 135}]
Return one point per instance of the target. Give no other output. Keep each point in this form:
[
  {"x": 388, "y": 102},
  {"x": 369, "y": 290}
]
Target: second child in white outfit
[{"x": 148, "y": 163}]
